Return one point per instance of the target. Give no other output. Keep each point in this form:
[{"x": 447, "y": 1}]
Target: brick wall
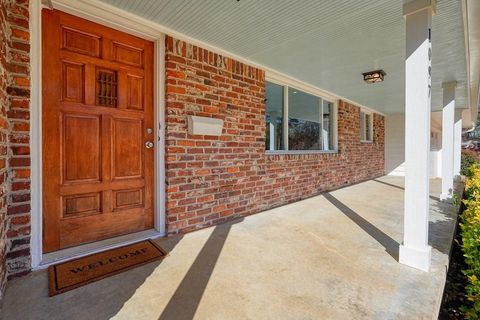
[
  {"x": 209, "y": 179},
  {"x": 3, "y": 144},
  {"x": 14, "y": 139},
  {"x": 214, "y": 179}
]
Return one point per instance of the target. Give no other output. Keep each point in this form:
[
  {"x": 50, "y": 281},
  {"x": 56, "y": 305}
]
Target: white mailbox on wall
[{"x": 205, "y": 126}]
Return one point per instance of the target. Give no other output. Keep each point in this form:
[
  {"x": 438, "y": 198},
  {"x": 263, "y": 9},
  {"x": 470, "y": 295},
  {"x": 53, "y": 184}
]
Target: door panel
[
  {"x": 80, "y": 42},
  {"x": 97, "y": 105},
  {"x": 127, "y": 54},
  {"x": 135, "y": 92},
  {"x": 127, "y": 145},
  {"x": 81, "y": 140},
  {"x": 125, "y": 199},
  {"x": 82, "y": 204},
  {"x": 73, "y": 82}
]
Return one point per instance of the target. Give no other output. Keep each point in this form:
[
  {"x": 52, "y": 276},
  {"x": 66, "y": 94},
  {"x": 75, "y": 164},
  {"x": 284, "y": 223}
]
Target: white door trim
[
  {"x": 111, "y": 20},
  {"x": 36, "y": 131}
]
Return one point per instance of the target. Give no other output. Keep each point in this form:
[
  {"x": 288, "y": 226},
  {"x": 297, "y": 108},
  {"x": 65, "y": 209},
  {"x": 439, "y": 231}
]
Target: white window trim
[
  {"x": 362, "y": 126},
  {"x": 315, "y": 92}
]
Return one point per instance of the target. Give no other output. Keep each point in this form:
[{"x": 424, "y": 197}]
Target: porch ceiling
[{"x": 325, "y": 43}]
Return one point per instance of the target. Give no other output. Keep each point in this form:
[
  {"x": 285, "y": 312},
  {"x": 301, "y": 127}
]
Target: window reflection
[
  {"x": 274, "y": 116},
  {"x": 311, "y": 120},
  {"x": 303, "y": 121}
]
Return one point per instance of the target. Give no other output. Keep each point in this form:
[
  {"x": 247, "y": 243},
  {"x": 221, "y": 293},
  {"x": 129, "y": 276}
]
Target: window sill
[
  {"x": 366, "y": 141},
  {"x": 280, "y": 152}
]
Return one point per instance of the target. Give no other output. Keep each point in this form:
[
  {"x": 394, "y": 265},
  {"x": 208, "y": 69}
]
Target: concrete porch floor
[{"x": 328, "y": 257}]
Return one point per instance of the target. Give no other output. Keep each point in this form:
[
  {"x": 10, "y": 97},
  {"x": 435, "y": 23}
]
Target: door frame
[{"x": 117, "y": 20}]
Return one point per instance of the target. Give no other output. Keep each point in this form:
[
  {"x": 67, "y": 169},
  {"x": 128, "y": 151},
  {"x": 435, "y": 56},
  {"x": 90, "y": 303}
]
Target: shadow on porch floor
[{"x": 327, "y": 257}]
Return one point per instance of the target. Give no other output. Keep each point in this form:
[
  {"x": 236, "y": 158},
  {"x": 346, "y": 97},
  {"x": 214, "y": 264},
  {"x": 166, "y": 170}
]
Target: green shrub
[
  {"x": 470, "y": 233},
  {"x": 467, "y": 161}
]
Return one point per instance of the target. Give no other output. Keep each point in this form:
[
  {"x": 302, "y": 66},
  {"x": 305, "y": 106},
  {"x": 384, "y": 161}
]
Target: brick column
[{"x": 14, "y": 138}]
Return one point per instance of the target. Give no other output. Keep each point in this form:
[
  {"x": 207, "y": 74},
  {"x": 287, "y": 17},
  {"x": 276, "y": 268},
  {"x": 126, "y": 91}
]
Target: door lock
[{"x": 149, "y": 144}]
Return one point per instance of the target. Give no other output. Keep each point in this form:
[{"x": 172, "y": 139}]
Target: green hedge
[
  {"x": 470, "y": 234},
  {"x": 467, "y": 161}
]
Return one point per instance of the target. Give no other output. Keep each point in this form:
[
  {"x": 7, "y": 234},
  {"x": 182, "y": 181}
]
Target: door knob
[{"x": 149, "y": 144}]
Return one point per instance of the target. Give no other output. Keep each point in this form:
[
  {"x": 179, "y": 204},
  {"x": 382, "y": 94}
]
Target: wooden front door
[{"x": 98, "y": 132}]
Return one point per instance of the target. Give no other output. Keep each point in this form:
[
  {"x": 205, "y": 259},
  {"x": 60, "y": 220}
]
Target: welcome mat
[{"x": 76, "y": 273}]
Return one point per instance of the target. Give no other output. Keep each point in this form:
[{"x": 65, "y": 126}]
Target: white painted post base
[
  {"x": 446, "y": 197},
  {"x": 419, "y": 259}
]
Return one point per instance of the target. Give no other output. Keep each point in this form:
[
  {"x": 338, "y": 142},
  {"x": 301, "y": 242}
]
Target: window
[
  {"x": 366, "y": 126},
  {"x": 311, "y": 120},
  {"x": 328, "y": 126},
  {"x": 274, "y": 116},
  {"x": 304, "y": 121}
]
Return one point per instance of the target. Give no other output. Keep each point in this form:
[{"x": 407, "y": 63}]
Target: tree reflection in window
[
  {"x": 274, "y": 116},
  {"x": 311, "y": 120},
  {"x": 304, "y": 118}
]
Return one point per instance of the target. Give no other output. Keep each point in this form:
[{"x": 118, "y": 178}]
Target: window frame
[
  {"x": 323, "y": 97},
  {"x": 283, "y": 114},
  {"x": 363, "y": 122}
]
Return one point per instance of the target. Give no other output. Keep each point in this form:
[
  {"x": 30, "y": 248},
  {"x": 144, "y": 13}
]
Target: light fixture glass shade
[{"x": 374, "y": 76}]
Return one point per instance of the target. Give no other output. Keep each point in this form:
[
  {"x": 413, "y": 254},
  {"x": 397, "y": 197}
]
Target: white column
[
  {"x": 415, "y": 251},
  {"x": 448, "y": 122},
  {"x": 457, "y": 143}
]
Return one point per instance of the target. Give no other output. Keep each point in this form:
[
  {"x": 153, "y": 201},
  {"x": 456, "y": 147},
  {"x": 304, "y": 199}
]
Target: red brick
[
  {"x": 18, "y": 150},
  {"x": 179, "y": 90},
  {"x": 19, "y": 162},
  {"x": 20, "y": 34},
  {"x": 18, "y": 114},
  {"x": 16, "y": 186},
  {"x": 22, "y": 81},
  {"x": 233, "y": 175},
  {"x": 21, "y": 126},
  {"x": 186, "y": 143},
  {"x": 20, "y": 220},
  {"x": 19, "y": 253},
  {"x": 22, "y": 231},
  {"x": 14, "y": 128},
  {"x": 20, "y": 197},
  {"x": 20, "y": 103}
]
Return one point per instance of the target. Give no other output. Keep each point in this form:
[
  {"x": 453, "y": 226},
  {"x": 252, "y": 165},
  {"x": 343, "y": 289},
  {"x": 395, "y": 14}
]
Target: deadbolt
[
  {"x": 149, "y": 144},
  {"x": 149, "y": 130}
]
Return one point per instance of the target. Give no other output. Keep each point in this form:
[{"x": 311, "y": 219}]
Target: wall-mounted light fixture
[{"x": 374, "y": 76}]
